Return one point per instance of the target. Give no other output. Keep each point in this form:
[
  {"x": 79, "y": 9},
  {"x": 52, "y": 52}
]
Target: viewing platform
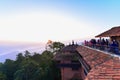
[
  {"x": 106, "y": 49},
  {"x": 103, "y": 55},
  {"x": 111, "y": 44}
]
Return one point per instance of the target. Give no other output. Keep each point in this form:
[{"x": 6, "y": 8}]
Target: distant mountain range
[{"x": 9, "y": 51}]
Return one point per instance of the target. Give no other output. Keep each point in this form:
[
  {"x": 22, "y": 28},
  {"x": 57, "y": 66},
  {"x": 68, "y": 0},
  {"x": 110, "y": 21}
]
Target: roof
[
  {"x": 62, "y": 56},
  {"x": 71, "y": 49},
  {"x": 103, "y": 66},
  {"x": 115, "y": 31}
]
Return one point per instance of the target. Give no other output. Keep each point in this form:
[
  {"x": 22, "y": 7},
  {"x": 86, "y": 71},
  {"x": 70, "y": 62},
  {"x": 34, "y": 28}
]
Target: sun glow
[{"x": 40, "y": 27}]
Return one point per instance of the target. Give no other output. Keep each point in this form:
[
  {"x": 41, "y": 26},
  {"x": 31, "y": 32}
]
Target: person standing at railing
[
  {"x": 85, "y": 43},
  {"x": 107, "y": 42},
  {"x": 103, "y": 43},
  {"x": 114, "y": 47},
  {"x": 98, "y": 43},
  {"x": 93, "y": 42}
]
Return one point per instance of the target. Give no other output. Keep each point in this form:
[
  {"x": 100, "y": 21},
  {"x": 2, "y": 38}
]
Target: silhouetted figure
[
  {"x": 114, "y": 47},
  {"x": 93, "y": 41},
  {"x": 107, "y": 42},
  {"x": 103, "y": 44},
  {"x": 72, "y": 42}
]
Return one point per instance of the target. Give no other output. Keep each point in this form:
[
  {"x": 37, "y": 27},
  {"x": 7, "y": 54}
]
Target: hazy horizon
[
  {"x": 29, "y": 24},
  {"x": 9, "y": 49}
]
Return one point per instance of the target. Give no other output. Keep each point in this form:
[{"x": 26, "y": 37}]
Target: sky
[{"x": 57, "y": 20}]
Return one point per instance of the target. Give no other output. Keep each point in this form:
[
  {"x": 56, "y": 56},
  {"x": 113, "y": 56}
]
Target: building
[
  {"x": 71, "y": 63},
  {"x": 113, "y": 33},
  {"x": 79, "y": 62},
  {"x": 85, "y": 63}
]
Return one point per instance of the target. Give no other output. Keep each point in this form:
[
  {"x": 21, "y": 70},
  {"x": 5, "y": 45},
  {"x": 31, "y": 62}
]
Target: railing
[
  {"x": 85, "y": 66},
  {"x": 107, "y": 48}
]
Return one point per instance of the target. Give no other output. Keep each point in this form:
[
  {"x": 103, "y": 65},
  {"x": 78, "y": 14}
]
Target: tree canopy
[
  {"x": 32, "y": 67},
  {"x": 55, "y": 46}
]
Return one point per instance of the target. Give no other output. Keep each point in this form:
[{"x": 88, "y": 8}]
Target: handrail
[
  {"x": 108, "y": 48},
  {"x": 84, "y": 65}
]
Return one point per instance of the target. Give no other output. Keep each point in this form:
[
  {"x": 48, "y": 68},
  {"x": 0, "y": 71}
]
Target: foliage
[
  {"x": 2, "y": 76},
  {"x": 30, "y": 67},
  {"x": 56, "y": 46}
]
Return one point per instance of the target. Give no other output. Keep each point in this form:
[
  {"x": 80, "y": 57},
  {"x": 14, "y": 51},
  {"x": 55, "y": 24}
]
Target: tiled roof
[
  {"x": 103, "y": 66},
  {"x": 71, "y": 49},
  {"x": 62, "y": 56},
  {"x": 115, "y": 31}
]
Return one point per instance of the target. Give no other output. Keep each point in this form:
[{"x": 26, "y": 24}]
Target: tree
[
  {"x": 20, "y": 57},
  {"x": 49, "y": 67},
  {"x": 31, "y": 67},
  {"x": 27, "y": 71},
  {"x": 9, "y": 68},
  {"x": 2, "y": 76},
  {"x": 19, "y": 75},
  {"x": 56, "y": 46},
  {"x": 27, "y": 54}
]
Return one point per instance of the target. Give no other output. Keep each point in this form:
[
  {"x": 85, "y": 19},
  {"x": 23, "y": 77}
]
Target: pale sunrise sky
[{"x": 57, "y": 20}]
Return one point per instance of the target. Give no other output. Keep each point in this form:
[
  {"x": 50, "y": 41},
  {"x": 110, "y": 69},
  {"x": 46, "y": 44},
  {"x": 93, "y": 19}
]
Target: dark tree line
[{"x": 30, "y": 67}]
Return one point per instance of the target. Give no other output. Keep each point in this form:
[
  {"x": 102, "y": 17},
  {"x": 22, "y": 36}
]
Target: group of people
[
  {"x": 103, "y": 44},
  {"x": 98, "y": 42}
]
